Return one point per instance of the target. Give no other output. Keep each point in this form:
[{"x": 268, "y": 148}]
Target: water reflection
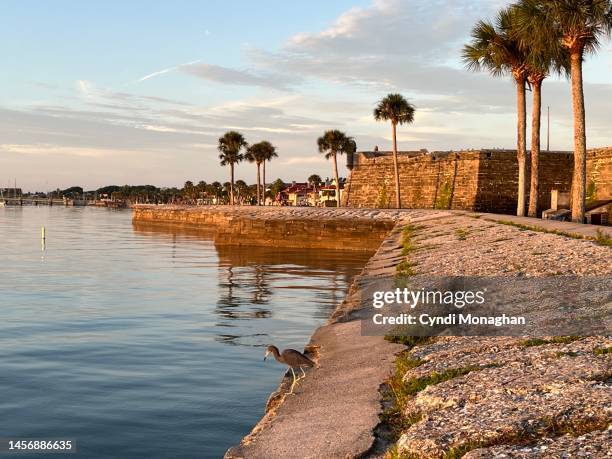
[{"x": 262, "y": 282}]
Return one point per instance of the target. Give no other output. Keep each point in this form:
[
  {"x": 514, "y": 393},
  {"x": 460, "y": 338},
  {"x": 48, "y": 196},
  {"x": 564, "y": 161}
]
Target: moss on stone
[
  {"x": 383, "y": 196},
  {"x": 591, "y": 191},
  {"x": 444, "y": 197}
]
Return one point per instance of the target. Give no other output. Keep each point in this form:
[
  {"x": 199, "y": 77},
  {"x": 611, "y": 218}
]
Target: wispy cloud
[
  {"x": 305, "y": 160},
  {"x": 167, "y": 70},
  {"x": 241, "y": 77}
]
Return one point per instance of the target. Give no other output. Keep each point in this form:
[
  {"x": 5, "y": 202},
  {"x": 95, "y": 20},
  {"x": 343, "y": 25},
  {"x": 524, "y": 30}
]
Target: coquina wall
[
  {"x": 599, "y": 174},
  {"x": 481, "y": 180},
  {"x": 287, "y": 227}
]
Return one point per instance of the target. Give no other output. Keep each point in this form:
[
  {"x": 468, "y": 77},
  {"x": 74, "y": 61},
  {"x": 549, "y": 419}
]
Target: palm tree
[
  {"x": 314, "y": 180},
  {"x": 398, "y": 110},
  {"x": 226, "y": 192},
  {"x": 242, "y": 190},
  {"x": 258, "y": 154},
  {"x": 333, "y": 143},
  {"x": 577, "y": 26},
  {"x": 270, "y": 155},
  {"x": 494, "y": 47},
  {"x": 188, "y": 190},
  {"x": 543, "y": 56},
  {"x": 215, "y": 189},
  {"x": 230, "y": 147}
]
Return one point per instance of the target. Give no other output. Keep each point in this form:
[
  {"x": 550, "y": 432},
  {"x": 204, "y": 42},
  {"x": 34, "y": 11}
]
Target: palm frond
[
  {"x": 230, "y": 146},
  {"x": 394, "y": 108},
  {"x": 335, "y": 142}
]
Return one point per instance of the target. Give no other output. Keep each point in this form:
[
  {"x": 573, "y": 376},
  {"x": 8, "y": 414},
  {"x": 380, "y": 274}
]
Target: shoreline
[{"x": 338, "y": 407}]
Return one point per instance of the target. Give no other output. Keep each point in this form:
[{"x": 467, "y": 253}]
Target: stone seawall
[
  {"x": 346, "y": 229},
  {"x": 481, "y": 180}
]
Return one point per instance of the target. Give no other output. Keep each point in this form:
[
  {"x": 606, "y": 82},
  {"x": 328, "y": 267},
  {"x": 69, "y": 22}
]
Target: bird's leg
[
  {"x": 294, "y": 381},
  {"x": 303, "y": 372}
]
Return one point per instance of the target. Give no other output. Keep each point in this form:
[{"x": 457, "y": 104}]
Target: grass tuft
[
  {"x": 409, "y": 341},
  {"x": 602, "y": 350},
  {"x": 554, "y": 340},
  {"x": 603, "y": 238},
  {"x": 406, "y": 267},
  {"x": 461, "y": 233}
]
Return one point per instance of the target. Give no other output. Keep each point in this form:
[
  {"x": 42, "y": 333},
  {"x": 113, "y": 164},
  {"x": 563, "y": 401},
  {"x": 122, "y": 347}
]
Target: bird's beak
[{"x": 266, "y": 356}]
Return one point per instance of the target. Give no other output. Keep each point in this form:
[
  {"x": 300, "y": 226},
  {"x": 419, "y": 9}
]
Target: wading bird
[{"x": 291, "y": 358}]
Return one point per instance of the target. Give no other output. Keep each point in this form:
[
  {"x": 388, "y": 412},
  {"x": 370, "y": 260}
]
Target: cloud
[
  {"x": 305, "y": 160},
  {"x": 392, "y": 45},
  {"x": 45, "y": 149},
  {"x": 117, "y": 99},
  {"x": 226, "y": 75},
  {"x": 167, "y": 70}
]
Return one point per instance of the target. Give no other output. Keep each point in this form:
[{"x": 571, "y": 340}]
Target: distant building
[
  {"x": 297, "y": 194},
  {"x": 327, "y": 194}
]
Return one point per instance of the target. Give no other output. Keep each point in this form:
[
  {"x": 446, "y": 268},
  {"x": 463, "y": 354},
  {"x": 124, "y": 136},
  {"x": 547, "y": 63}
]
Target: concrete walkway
[
  {"x": 549, "y": 225},
  {"x": 336, "y": 407}
]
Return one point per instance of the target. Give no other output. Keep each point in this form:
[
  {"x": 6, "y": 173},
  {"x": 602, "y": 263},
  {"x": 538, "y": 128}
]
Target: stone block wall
[
  {"x": 482, "y": 180},
  {"x": 599, "y": 174},
  {"x": 273, "y": 226}
]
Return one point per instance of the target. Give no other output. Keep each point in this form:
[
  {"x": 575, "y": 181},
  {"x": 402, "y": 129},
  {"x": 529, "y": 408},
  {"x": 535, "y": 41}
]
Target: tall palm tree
[
  {"x": 333, "y": 143},
  {"x": 398, "y": 110},
  {"x": 494, "y": 48},
  {"x": 230, "y": 148},
  {"x": 270, "y": 155},
  {"x": 577, "y": 26},
  {"x": 543, "y": 56},
  {"x": 258, "y": 154}
]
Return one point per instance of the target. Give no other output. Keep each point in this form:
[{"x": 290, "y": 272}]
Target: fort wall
[{"x": 481, "y": 180}]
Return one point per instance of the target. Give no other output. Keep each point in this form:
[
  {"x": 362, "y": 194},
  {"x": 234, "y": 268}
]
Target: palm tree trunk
[
  {"x": 579, "y": 177},
  {"x": 339, "y": 204},
  {"x": 521, "y": 144},
  {"x": 231, "y": 184},
  {"x": 398, "y": 203},
  {"x": 258, "y": 184},
  {"x": 534, "y": 189},
  {"x": 264, "y": 184}
]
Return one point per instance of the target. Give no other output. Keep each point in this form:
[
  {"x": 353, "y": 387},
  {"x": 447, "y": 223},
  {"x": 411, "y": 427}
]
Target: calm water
[{"x": 144, "y": 342}]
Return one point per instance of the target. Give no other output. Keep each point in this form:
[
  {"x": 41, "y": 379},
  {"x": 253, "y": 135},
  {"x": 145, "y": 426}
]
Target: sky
[{"x": 138, "y": 92}]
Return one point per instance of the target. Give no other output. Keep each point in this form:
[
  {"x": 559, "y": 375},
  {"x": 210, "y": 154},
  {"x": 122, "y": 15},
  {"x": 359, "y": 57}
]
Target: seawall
[{"x": 345, "y": 229}]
